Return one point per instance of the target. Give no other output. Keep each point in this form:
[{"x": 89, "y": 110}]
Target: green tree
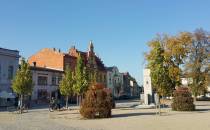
[
  {"x": 197, "y": 66},
  {"x": 66, "y": 84},
  {"x": 81, "y": 83},
  {"x": 158, "y": 66},
  {"x": 161, "y": 81},
  {"x": 22, "y": 83}
]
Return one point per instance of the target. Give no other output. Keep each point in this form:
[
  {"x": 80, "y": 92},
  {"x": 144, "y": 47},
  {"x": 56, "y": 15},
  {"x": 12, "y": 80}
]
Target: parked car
[{"x": 124, "y": 97}]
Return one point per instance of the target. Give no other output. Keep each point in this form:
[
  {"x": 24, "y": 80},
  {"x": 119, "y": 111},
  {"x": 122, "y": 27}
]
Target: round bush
[
  {"x": 182, "y": 100},
  {"x": 97, "y": 103}
]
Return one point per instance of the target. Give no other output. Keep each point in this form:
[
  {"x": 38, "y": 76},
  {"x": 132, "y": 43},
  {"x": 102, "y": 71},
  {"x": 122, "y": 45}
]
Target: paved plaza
[{"x": 125, "y": 117}]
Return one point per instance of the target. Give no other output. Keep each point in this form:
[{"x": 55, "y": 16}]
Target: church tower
[
  {"x": 91, "y": 62},
  {"x": 91, "y": 47}
]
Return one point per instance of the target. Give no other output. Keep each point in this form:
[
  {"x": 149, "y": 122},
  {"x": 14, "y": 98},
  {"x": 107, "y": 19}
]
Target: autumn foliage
[
  {"x": 97, "y": 103},
  {"x": 183, "y": 100}
]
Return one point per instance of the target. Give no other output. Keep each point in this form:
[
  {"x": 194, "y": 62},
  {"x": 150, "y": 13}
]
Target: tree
[
  {"x": 161, "y": 81},
  {"x": 97, "y": 103},
  {"x": 23, "y": 83},
  {"x": 66, "y": 84},
  {"x": 182, "y": 100},
  {"x": 175, "y": 52},
  {"x": 81, "y": 83},
  {"x": 197, "y": 66}
]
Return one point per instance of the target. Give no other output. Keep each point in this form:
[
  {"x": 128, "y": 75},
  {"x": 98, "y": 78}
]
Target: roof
[
  {"x": 45, "y": 69},
  {"x": 109, "y": 68},
  {"x": 8, "y": 49},
  {"x": 74, "y": 53}
]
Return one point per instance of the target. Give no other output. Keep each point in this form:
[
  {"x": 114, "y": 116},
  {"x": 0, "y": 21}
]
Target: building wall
[
  {"x": 9, "y": 60},
  {"x": 50, "y": 87},
  {"x": 49, "y": 58},
  {"x": 94, "y": 65},
  {"x": 53, "y": 59},
  {"x": 114, "y": 81}
]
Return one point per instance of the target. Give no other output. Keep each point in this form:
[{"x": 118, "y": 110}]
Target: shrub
[
  {"x": 182, "y": 100},
  {"x": 97, "y": 103}
]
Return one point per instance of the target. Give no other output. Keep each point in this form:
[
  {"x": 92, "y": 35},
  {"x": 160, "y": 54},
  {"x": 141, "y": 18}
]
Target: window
[
  {"x": 10, "y": 72},
  {"x": 110, "y": 81},
  {"x": 0, "y": 68},
  {"x": 53, "y": 80},
  {"x": 100, "y": 78},
  {"x": 104, "y": 78},
  {"x": 59, "y": 79},
  {"x": 0, "y": 71},
  {"x": 42, "y": 94},
  {"x": 42, "y": 80}
]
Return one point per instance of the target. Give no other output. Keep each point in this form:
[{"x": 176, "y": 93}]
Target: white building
[
  {"x": 114, "y": 80},
  {"x": 9, "y": 63},
  {"x": 46, "y": 83},
  {"x": 186, "y": 81}
]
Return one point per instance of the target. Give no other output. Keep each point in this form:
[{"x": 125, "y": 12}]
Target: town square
[{"x": 104, "y": 65}]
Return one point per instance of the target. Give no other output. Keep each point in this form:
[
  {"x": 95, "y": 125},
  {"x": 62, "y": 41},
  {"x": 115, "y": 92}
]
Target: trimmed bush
[
  {"x": 97, "y": 103},
  {"x": 182, "y": 100}
]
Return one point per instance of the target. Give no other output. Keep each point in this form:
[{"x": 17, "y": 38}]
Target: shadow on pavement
[
  {"x": 132, "y": 114},
  {"x": 202, "y": 110}
]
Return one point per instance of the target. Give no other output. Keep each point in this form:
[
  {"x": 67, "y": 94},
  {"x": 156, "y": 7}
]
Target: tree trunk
[
  {"x": 67, "y": 101},
  {"x": 159, "y": 107},
  {"x": 77, "y": 100},
  {"x": 21, "y": 104},
  {"x": 82, "y": 97},
  {"x": 195, "y": 99}
]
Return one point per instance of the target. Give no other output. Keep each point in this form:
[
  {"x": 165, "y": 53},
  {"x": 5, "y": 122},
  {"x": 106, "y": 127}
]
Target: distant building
[
  {"x": 46, "y": 83},
  {"x": 9, "y": 63},
  {"x": 148, "y": 92},
  {"x": 55, "y": 59},
  {"x": 130, "y": 86},
  {"x": 94, "y": 65},
  {"x": 114, "y": 80},
  {"x": 187, "y": 81}
]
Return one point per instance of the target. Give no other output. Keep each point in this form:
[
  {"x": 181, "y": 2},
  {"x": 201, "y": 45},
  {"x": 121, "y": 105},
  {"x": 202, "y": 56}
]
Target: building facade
[
  {"x": 94, "y": 65},
  {"x": 46, "y": 83},
  {"x": 114, "y": 81},
  {"x": 130, "y": 86},
  {"x": 55, "y": 59},
  {"x": 9, "y": 63}
]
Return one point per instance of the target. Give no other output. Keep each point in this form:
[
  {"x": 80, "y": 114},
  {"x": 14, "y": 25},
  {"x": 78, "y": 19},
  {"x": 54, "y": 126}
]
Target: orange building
[{"x": 55, "y": 59}]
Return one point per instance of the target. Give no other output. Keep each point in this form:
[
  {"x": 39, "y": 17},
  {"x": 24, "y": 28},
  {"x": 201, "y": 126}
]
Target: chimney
[{"x": 34, "y": 63}]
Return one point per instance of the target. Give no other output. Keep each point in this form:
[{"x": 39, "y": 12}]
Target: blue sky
[{"x": 120, "y": 29}]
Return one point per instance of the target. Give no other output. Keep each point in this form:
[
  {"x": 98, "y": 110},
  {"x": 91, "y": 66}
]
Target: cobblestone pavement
[
  {"x": 124, "y": 118},
  {"x": 33, "y": 120}
]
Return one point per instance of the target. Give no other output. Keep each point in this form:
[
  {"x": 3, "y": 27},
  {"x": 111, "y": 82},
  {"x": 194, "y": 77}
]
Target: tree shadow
[
  {"x": 132, "y": 114},
  {"x": 202, "y": 110},
  {"x": 203, "y": 105},
  {"x": 75, "y": 113}
]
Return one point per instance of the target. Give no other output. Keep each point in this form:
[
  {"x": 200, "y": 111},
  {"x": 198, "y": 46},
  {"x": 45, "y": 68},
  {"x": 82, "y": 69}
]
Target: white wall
[
  {"x": 49, "y": 87},
  {"x": 7, "y": 58},
  {"x": 114, "y": 75},
  {"x": 147, "y": 85}
]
